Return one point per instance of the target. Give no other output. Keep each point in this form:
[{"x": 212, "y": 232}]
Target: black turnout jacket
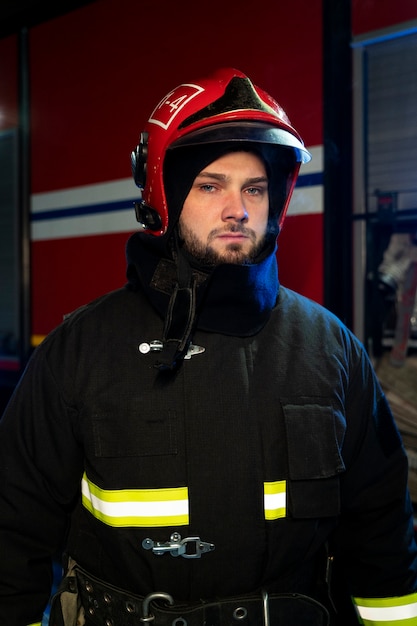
[{"x": 268, "y": 446}]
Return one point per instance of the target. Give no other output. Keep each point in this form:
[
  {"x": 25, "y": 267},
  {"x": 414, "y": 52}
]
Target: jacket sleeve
[
  {"x": 40, "y": 475},
  {"x": 375, "y": 542}
]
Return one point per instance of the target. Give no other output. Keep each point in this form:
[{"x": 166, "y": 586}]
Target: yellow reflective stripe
[
  {"x": 136, "y": 507},
  {"x": 275, "y": 499},
  {"x": 36, "y": 624},
  {"x": 395, "y": 611}
]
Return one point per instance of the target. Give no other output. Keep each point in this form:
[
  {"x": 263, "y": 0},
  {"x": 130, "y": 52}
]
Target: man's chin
[
  {"x": 236, "y": 254},
  {"x": 232, "y": 254},
  {"x": 231, "y": 257}
]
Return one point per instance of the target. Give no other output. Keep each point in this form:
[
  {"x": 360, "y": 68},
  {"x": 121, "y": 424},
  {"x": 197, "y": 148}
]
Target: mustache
[{"x": 232, "y": 228}]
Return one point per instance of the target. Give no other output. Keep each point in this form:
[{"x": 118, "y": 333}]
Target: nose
[{"x": 234, "y": 208}]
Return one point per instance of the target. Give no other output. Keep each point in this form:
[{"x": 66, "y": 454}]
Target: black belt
[{"x": 105, "y": 605}]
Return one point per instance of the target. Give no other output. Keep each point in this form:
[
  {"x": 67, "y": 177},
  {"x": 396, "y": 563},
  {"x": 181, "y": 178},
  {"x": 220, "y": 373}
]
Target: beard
[{"x": 234, "y": 253}]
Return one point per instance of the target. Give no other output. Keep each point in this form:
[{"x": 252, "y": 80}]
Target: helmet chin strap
[{"x": 181, "y": 314}]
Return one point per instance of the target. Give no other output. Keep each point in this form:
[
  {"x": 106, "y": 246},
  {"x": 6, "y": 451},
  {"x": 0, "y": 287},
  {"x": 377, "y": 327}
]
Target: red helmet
[{"x": 223, "y": 108}]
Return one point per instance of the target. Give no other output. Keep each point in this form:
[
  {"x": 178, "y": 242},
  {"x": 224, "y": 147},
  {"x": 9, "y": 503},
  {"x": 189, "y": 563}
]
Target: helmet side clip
[
  {"x": 138, "y": 160},
  {"x": 147, "y": 216}
]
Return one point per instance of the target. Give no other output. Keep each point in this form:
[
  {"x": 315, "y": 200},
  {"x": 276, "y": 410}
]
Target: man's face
[{"x": 225, "y": 215}]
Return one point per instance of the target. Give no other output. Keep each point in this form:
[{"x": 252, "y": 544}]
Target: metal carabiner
[{"x": 146, "y": 617}]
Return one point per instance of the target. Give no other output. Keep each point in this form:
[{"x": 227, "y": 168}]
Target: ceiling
[{"x": 18, "y": 14}]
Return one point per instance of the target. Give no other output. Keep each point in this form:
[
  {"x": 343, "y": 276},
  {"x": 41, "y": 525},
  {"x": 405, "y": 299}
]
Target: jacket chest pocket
[{"x": 314, "y": 434}]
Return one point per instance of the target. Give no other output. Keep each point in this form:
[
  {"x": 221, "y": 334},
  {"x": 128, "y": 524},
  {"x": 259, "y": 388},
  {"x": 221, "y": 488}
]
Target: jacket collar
[{"x": 234, "y": 300}]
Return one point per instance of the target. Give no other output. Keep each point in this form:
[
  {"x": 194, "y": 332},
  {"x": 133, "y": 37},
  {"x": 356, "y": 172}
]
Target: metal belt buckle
[{"x": 179, "y": 547}]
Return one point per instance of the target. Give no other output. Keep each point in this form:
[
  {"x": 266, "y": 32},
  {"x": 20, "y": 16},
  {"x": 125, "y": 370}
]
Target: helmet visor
[{"x": 246, "y": 131}]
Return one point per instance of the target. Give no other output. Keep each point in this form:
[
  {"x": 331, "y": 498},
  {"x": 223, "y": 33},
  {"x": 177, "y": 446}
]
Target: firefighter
[{"x": 205, "y": 446}]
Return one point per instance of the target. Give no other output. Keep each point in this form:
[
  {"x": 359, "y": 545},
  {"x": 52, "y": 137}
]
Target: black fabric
[{"x": 89, "y": 398}]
